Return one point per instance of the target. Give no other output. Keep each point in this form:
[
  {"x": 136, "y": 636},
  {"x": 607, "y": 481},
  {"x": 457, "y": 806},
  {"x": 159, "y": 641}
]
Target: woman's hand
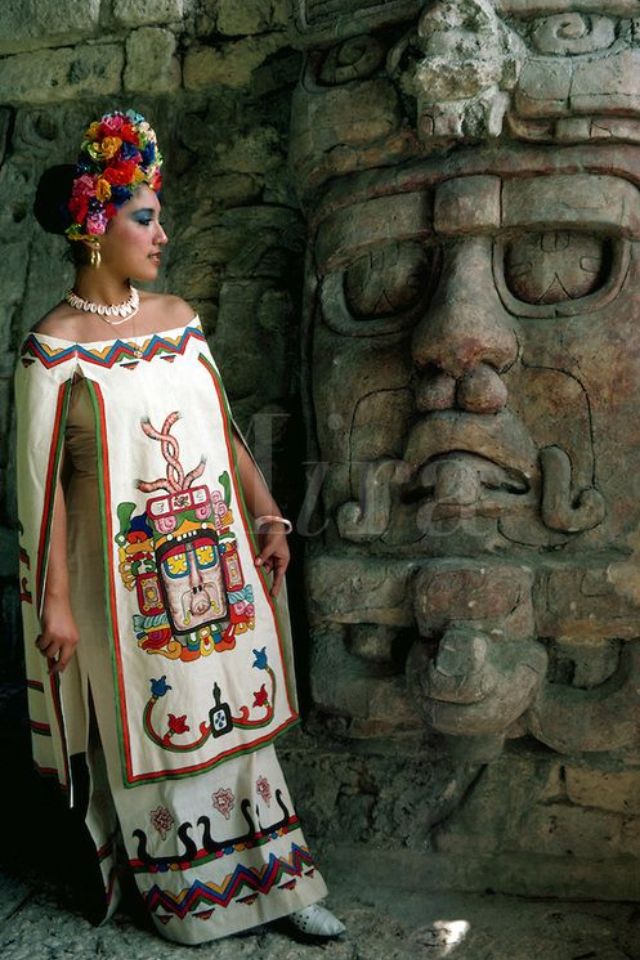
[
  {"x": 59, "y": 637},
  {"x": 274, "y": 555}
]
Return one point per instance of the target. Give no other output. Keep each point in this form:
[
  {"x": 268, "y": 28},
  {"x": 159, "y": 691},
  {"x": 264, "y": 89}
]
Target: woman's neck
[{"x": 100, "y": 287}]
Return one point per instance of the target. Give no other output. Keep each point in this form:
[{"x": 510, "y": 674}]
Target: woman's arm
[
  {"x": 274, "y": 550},
  {"x": 59, "y": 637}
]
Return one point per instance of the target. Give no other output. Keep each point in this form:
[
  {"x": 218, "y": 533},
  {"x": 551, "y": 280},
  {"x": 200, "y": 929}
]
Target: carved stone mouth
[
  {"x": 459, "y": 476},
  {"x": 496, "y": 447}
]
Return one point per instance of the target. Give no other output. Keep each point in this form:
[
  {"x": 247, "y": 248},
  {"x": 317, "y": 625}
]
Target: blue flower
[
  {"x": 120, "y": 195},
  {"x": 160, "y": 687},
  {"x": 149, "y": 154},
  {"x": 260, "y": 663},
  {"x": 128, "y": 151}
]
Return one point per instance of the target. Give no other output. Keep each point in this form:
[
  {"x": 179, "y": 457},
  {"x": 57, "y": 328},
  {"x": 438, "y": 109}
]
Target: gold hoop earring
[{"x": 95, "y": 258}]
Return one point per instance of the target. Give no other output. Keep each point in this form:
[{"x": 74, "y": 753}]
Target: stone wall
[{"x": 214, "y": 77}]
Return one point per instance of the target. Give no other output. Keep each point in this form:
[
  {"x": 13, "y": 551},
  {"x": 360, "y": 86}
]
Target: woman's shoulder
[
  {"x": 170, "y": 310},
  {"x": 60, "y": 321}
]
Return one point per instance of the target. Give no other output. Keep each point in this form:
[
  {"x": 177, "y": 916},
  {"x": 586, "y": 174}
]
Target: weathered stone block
[
  {"x": 250, "y": 16},
  {"x": 590, "y": 201},
  {"x": 563, "y": 830},
  {"x": 151, "y": 61},
  {"x": 494, "y": 598},
  {"x": 62, "y": 75},
  {"x": 134, "y": 13},
  {"x": 467, "y": 204},
  {"x": 586, "y": 603},
  {"x": 33, "y": 24},
  {"x": 608, "y": 85},
  {"x": 359, "y": 592},
  {"x": 342, "y": 685},
  {"x": 544, "y": 87},
  {"x": 618, "y": 792},
  {"x": 232, "y": 65}
]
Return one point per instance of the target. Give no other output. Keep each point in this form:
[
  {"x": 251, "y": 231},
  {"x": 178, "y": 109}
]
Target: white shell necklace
[{"x": 126, "y": 310}]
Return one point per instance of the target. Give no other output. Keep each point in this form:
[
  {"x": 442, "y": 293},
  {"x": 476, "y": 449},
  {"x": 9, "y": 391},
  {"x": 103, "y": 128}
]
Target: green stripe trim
[{"x": 93, "y": 393}]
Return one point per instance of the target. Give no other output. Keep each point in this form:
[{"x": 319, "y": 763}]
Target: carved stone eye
[
  {"x": 556, "y": 266},
  {"x": 386, "y": 282}
]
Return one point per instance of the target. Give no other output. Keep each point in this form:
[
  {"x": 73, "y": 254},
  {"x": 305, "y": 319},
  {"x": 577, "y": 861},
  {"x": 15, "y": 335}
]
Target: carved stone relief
[{"x": 471, "y": 181}]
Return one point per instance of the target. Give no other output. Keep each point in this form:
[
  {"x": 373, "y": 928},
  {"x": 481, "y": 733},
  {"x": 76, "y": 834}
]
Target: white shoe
[{"x": 317, "y": 921}]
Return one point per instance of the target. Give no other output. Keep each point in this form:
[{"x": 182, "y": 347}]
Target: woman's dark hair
[
  {"x": 50, "y": 206},
  {"x": 52, "y": 197}
]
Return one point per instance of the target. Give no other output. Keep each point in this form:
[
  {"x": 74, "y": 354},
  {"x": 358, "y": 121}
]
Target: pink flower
[
  {"x": 264, "y": 789},
  {"x": 162, "y": 820},
  {"x": 224, "y": 801},
  {"x": 96, "y": 223},
  {"x": 84, "y": 186}
]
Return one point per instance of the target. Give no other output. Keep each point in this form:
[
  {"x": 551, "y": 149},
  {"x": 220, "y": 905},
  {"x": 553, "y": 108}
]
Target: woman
[{"x": 155, "y": 622}]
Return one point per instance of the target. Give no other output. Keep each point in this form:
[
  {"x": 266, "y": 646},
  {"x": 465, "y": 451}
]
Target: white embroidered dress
[{"x": 183, "y": 653}]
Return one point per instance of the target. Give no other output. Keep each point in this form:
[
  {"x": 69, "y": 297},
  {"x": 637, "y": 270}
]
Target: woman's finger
[{"x": 277, "y": 581}]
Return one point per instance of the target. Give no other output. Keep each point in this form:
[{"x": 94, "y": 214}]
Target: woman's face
[{"x": 134, "y": 238}]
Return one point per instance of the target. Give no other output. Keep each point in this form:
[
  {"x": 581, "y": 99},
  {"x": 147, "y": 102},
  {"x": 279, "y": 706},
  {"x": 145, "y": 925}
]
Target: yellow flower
[
  {"x": 138, "y": 176},
  {"x": 103, "y": 190},
  {"x": 110, "y": 146},
  {"x": 92, "y": 130}
]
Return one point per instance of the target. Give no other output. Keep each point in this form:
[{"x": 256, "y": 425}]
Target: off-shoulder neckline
[{"x": 194, "y": 322}]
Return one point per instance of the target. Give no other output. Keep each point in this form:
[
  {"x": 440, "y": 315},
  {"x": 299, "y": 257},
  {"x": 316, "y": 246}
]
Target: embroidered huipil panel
[{"x": 199, "y": 650}]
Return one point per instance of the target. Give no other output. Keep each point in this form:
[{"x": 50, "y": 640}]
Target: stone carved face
[
  {"x": 478, "y": 331},
  {"x": 474, "y": 365}
]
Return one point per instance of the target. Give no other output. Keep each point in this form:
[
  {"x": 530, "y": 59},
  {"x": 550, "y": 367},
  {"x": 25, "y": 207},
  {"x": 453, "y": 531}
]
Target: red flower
[
  {"x": 79, "y": 208},
  {"x": 120, "y": 174},
  {"x": 126, "y": 132},
  {"x": 261, "y": 697},
  {"x": 178, "y": 724}
]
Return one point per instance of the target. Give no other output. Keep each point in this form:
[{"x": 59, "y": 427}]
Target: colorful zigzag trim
[
  {"x": 114, "y": 352},
  {"x": 254, "y": 879}
]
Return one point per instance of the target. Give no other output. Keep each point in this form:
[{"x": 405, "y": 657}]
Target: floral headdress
[{"x": 119, "y": 153}]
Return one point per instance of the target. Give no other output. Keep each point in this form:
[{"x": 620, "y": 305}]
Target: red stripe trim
[
  {"x": 45, "y": 771},
  {"x": 42, "y": 728},
  {"x": 36, "y": 685}
]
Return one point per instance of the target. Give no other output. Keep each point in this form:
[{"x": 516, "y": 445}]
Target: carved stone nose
[
  {"x": 480, "y": 390},
  {"x": 466, "y": 328}
]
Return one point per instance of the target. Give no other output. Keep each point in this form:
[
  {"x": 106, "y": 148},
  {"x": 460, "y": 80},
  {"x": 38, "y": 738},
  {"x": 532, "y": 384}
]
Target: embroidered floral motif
[
  {"x": 261, "y": 697},
  {"x": 162, "y": 820},
  {"x": 224, "y": 801},
  {"x": 178, "y": 724},
  {"x": 264, "y": 789}
]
